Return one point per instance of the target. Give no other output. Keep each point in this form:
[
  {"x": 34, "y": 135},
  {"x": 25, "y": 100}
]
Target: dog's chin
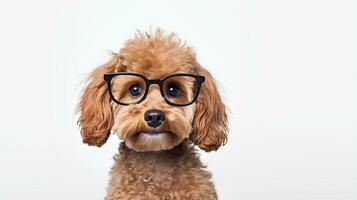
[{"x": 152, "y": 141}]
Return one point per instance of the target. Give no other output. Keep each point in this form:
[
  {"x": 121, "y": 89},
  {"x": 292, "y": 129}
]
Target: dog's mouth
[
  {"x": 153, "y": 140},
  {"x": 155, "y": 134}
]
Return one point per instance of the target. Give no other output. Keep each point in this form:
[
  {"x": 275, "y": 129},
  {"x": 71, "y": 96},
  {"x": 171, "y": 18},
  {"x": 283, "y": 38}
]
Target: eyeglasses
[{"x": 131, "y": 88}]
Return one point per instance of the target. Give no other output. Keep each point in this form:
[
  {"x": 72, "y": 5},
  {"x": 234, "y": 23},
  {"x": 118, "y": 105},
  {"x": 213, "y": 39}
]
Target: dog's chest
[{"x": 155, "y": 176}]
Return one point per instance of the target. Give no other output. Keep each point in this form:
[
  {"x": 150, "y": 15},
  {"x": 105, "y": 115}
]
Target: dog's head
[{"x": 153, "y": 94}]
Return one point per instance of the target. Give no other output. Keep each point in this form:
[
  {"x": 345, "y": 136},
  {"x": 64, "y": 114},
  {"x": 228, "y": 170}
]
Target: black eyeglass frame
[{"x": 108, "y": 78}]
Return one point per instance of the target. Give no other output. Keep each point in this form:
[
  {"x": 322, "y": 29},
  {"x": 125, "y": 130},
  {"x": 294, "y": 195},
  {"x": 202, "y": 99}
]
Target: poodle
[{"x": 160, "y": 102}]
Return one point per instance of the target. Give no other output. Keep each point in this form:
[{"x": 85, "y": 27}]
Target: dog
[{"x": 156, "y": 97}]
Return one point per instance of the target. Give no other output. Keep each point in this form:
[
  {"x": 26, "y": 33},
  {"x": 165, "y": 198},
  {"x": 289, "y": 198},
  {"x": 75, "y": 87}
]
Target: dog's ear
[
  {"x": 96, "y": 118},
  {"x": 210, "y": 121}
]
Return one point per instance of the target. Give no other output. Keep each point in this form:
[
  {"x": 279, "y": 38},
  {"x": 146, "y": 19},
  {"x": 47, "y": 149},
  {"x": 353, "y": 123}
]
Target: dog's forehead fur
[{"x": 156, "y": 55}]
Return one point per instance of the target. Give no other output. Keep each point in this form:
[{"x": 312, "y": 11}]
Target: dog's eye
[
  {"x": 173, "y": 91},
  {"x": 134, "y": 90}
]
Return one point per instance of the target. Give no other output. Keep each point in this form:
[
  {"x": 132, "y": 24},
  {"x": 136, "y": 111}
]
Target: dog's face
[{"x": 153, "y": 124}]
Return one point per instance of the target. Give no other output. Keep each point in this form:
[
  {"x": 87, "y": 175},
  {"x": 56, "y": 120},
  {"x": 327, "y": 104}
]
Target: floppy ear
[
  {"x": 96, "y": 118},
  {"x": 210, "y": 122}
]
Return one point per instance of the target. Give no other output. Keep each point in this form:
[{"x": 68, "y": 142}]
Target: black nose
[{"x": 154, "y": 118}]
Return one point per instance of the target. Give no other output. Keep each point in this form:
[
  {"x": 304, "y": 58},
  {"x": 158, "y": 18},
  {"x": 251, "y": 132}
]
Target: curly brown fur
[
  {"x": 173, "y": 174},
  {"x": 167, "y": 167}
]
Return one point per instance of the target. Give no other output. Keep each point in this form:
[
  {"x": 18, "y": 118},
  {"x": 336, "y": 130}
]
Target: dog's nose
[{"x": 154, "y": 118}]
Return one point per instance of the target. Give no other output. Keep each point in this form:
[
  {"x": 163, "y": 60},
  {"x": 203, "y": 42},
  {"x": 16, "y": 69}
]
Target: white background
[{"x": 287, "y": 71}]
